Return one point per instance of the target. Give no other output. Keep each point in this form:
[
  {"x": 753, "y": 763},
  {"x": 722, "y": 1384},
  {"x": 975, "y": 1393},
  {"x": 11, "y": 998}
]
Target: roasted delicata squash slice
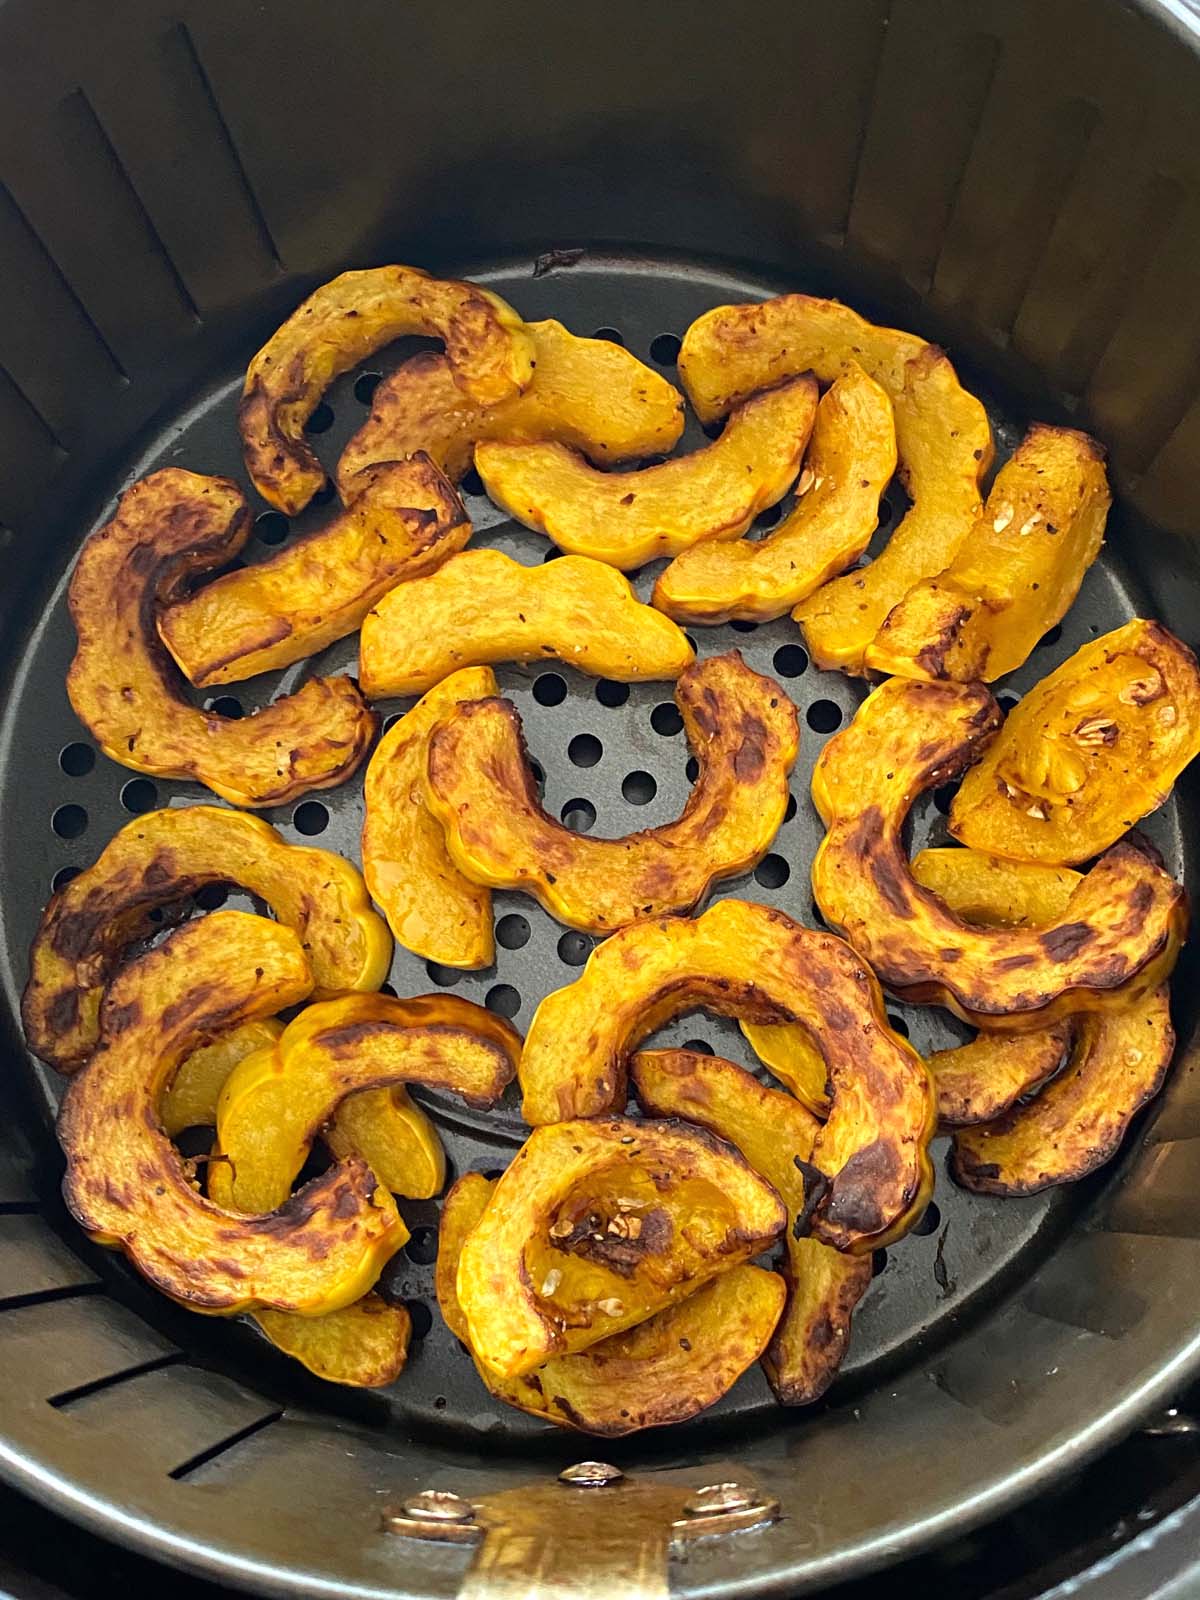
[
  {"x": 1089, "y": 751},
  {"x": 587, "y": 393},
  {"x": 774, "y": 1134},
  {"x": 544, "y": 1273},
  {"x": 1016, "y": 573},
  {"x": 190, "y": 1099},
  {"x": 746, "y": 960},
  {"x": 404, "y": 520},
  {"x": 629, "y": 518},
  {"x": 850, "y": 461},
  {"x": 364, "y": 1345},
  {"x": 129, "y": 1188},
  {"x": 488, "y": 351},
  {"x": 431, "y": 908},
  {"x": 126, "y": 690},
  {"x": 277, "y": 1102},
  {"x": 159, "y": 859},
  {"x": 483, "y": 607},
  {"x": 943, "y": 442},
  {"x": 743, "y": 731},
  {"x": 1123, "y": 923},
  {"x": 664, "y": 1370}
]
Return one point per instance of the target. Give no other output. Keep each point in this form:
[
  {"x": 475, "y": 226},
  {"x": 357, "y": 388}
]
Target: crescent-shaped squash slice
[
  {"x": 394, "y": 1137},
  {"x": 483, "y": 607},
  {"x": 743, "y": 730},
  {"x": 364, "y": 1345},
  {"x": 430, "y": 907},
  {"x": 943, "y": 442},
  {"x": 1089, "y": 751},
  {"x": 1124, "y": 922},
  {"x": 404, "y": 520},
  {"x": 190, "y": 1099},
  {"x": 664, "y": 1370},
  {"x": 629, "y": 518},
  {"x": 342, "y": 323},
  {"x": 129, "y": 1188},
  {"x": 161, "y": 858},
  {"x": 277, "y": 1102},
  {"x": 126, "y": 690},
  {"x": 587, "y": 393},
  {"x": 543, "y": 1273},
  {"x": 1016, "y": 573},
  {"x": 850, "y": 461},
  {"x": 746, "y": 960},
  {"x": 776, "y": 1136}
]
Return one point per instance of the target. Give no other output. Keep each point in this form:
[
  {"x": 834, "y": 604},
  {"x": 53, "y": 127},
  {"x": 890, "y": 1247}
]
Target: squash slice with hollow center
[
  {"x": 364, "y": 1345},
  {"x": 126, "y": 690},
  {"x": 161, "y": 858},
  {"x": 776, "y": 1136},
  {"x": 430, "y": 907},
  {"x": 1123, "y": 923},
  {"x": 850, "y": 461},
  {"x": 587, "y": 393},
  {"x": 629, "y": 518},
  {"x": 129, "y": 1188},
  {"x": 490, "y": 356},
  {"x": 404, "y": 520},
  {"x": 743, "y": 731},
  {"x": 542, "y": 1273},
  {"x": 1015, "y": 575},
  {"x": 746, "y": 960},
  {"x": 190, "y": 1099},
  {"x": 483, "y": 607},
  {"x": 1088, "y": 752},
  {"x": 664, "y": 1370},
  {"x": 277, "y": 1102}
]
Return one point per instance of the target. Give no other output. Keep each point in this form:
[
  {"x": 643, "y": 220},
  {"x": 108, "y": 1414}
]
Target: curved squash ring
[
  {"x": 430, "y": 907},
  {"x": 850, "y": 461},
  {"x": 666, "y": 1369},
  {"x": 128, "y": 1187},
  {"x": 1088, "y": 752},
  {"x": 745, "y": 960},
  {"x": 1016, "y": 573},
  {"x": 1124, "y": 922},
  {"x": 190, "y": 1099},
  {"x": 587, "y": 393},
  {"x": 629, "y": 518},
  {"x": 160, "y": 858},
  {"x": 364, "y": 1345},
  {"x": 743, "y": 730},
  {"x": 276, "y": 1103},
  {"x": 126, "y": 690},
  {"x": 404, "y": 520},
  {"x": 483, "y": 607},
  {"x": 773, "y": 1132},
  {"x": 704, "y": 1211},
  {"x": 341, "y": 324}
]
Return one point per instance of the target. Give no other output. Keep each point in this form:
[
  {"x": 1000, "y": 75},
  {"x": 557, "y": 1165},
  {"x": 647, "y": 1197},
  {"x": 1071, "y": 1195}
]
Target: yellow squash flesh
[
  {"x": 364, "y": 1345},
  {"x": 190, "y": 1099}
]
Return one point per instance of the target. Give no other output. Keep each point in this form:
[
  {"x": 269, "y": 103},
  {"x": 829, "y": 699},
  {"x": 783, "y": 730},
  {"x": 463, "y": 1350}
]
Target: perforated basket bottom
[{"x": 610, "y": 765}]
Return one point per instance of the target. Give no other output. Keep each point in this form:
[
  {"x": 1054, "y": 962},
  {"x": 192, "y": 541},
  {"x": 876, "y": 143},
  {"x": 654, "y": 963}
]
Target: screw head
[
  {"x": 438, "y": 1505},
  {"x": 590, "y": 1475},
  {"x": 717, "y": 1500}
]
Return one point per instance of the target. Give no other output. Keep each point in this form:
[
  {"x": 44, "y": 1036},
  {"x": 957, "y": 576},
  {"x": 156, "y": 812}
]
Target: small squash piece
[
  {"x": 190, "y": 1099},
  {"x": 490, "y": 356},
  {"x": 746, "y": 960},
  {"x": 129, "y": 1188},
  {"x": 126, "y": 690},
  {"x": 700, "y": 1208},
  {"x": 1015, "y": 574},
  {"x": 404, "y": 520},
  {"x": 1124, "y": 922},
  {"x": 394, "y": 1137},
  {"x": 483, "y": 607},
  {"x": 629, "y": 518},
  {"x": 587, "y": 393},
  {"x": 430, "y": 907},
  {"x": 776, "y": 1136},
  {"x": 850, "y": 461},
  {"x": 161, "y": 858},
  {"x": 364, "y": 1345},
  {"x": 743, "y": 731},
  {"x": 1088, "y": 752}
]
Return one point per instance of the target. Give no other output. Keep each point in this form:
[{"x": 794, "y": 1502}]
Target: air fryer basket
[{"x": 1018, "y": 180}]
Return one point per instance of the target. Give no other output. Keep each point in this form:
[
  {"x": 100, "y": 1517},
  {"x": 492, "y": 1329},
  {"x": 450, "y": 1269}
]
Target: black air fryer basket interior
[{"x": 1019, "y": 181}]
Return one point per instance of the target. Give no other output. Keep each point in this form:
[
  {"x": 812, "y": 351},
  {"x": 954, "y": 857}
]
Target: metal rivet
[
  {"x": 591, "y": 1475},
  {"x": 1172, "y": 1423},
  {"x": 438, "y": 1505},
  {"x": 718, "y": 1499}
]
